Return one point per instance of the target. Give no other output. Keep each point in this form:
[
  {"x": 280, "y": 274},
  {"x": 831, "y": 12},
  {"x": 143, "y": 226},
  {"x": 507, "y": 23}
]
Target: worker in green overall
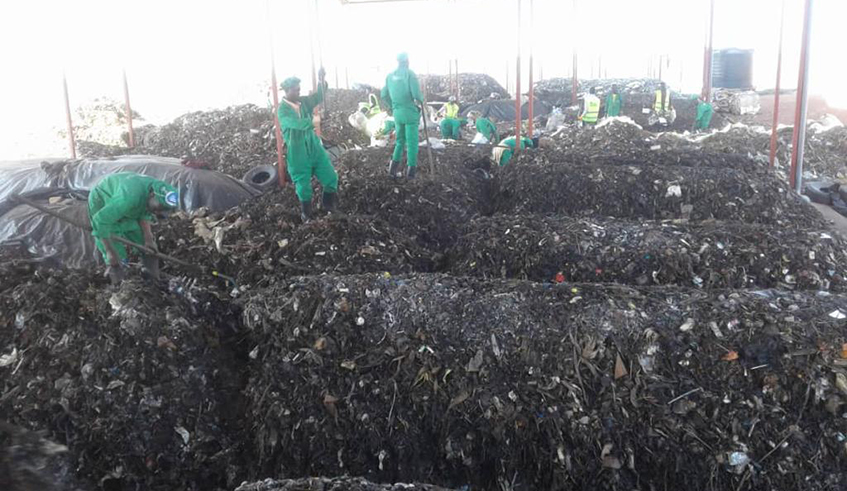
[
  {"x": 451, "y": 124},
  {"x": 503, "y": 152},
  {"x": 123, "y": 205},
  {"x": 613, "y": 102},
  {"x": 704, "y": 115},
  {"x": 305, "y": 152},
  {"x": 403, "y": 91}
]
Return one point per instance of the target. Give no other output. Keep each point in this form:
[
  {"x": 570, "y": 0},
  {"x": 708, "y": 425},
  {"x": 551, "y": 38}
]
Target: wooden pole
[
  {"x": 518, "y": 88},
  {"x": 128, "y": 112},
  {"x": 71, "y": 139},
  {"x": 776, "y": 91}
]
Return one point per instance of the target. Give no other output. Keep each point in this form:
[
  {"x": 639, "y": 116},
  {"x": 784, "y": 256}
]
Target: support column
[
  {"x": 799, "y": 137},
  {"x": 71, "y": 139},
  {"x": 776, "y": 90}
]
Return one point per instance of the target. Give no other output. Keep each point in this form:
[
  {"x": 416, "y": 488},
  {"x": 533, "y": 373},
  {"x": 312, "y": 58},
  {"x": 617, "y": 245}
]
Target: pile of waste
[
  {"x": 139, "y": 382},
  {"x": 102, "y": 121},
  {"x": 695, "y": 193},
  {"x": 334, "y": 484},
  {"x": 736, "y": 101},
  {"x": 709, "y": 254},
  {"x": 484, "y": 383},
  {"x": 474, "y": 87}
]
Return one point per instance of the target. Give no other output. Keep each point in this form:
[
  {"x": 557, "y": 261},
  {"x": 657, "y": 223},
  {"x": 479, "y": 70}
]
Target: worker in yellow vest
[
  {"x": 451, "y": 123},
  {"x": 591, "y": 109},
  {"x": 663, "y": 111}
]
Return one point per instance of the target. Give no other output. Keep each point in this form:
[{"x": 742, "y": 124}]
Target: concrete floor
[{"x": 839, "y": 221}]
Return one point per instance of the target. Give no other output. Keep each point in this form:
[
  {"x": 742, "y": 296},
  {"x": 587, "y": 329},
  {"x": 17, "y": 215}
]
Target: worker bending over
[
  {"x": 704, "y": 115},
  {"x": 503, "y": 152},
  {"x": 402, "y": 91},
  {"x": 486, "y": 131},
  {"x": 305, "y": 152},
  {"x": 591, "y": 108},
  {"x": 123, "y": 205},
  {"x": 613, "y": 102}
]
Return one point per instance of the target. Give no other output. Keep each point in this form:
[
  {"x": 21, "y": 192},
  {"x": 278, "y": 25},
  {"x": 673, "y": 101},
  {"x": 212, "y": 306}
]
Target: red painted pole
[
  {"x": 575, "y": 82},
  {"x": 128, "y": 110},
  {"x": 71, "y": 139},
  {"x": 799, "y": 137},
  {"x": 529, "y": 128},
  {"x": 776, "y": 91},
  {"x": 458, "y": 83},
  {"x": 518, "y": 88}
]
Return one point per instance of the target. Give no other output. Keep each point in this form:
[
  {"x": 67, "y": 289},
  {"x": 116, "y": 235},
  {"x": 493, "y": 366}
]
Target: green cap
[{"x": 290, "y": 83}]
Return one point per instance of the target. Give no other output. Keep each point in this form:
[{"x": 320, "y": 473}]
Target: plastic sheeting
[
  {"x": 197, "y": 187},
  {"x": 49, "y": 239},
  {"x": 505, "y": 110}
]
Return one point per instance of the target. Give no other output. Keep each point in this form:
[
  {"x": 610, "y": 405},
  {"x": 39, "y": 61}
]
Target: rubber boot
[
  {"x": 412, "y": 172},
  {"x": 392, "y": 168},
  {"x": 150, "y": 267},
  {"x": 328, "y": 202},
  {"x": 305, "y": 211}
]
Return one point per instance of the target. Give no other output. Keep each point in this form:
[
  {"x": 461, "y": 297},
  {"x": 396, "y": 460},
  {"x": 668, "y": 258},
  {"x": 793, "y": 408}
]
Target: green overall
[
  {"x": 402, "y": 90},
  {"x": 306, "y": 156},
  {"x": 116, "y": 205}
]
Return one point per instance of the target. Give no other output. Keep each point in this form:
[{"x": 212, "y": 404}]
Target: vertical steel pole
[
  {"x": 707, "y": 87},
  {"x": 529, "y": 129},
  {"x": 574, "y": 82},
  {"x": 776, "y": 90},
  {"x": 71, "y": 139},
  {"x": 128, "y": 112},
  {"x": 518, "y": 88},
  {"x": 281, "y": 164},
  {"x": 799, "y": 137},
  {"x": 458, "y": 83}
]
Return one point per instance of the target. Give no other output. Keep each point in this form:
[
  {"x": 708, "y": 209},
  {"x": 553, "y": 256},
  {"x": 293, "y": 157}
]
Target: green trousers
[
  {"x": 407, "y": 136},
  {"x": 302, "y": 170},
  {"x": 450, "y": 128},
  {"x": 131, "y": 231}
]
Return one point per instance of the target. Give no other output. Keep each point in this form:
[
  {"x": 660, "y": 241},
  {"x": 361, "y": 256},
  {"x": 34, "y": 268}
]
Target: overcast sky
[{"x": 184, "y": 55}]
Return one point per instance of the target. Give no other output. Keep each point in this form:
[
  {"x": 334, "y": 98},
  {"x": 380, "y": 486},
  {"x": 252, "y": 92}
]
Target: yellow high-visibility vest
[
  {"x": 451, "y": 110},
  {"x": 660, "y": 105},
  {"x": 592, "y": 109}
]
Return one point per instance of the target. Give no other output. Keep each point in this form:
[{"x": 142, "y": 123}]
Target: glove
[{"x": 116, "y": 273}]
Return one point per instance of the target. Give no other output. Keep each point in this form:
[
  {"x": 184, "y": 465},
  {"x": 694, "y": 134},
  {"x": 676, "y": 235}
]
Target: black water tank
[{"x": 732, "y": 68}]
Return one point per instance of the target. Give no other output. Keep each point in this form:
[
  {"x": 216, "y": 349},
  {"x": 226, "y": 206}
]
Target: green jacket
[
  {"x": 704, "y": 116},
  {"x": 402, "y": 90},
  {"x": 298, "y": 131},
  {"x": 487, "y": 128},
  {"x": 119, "y": 201},
  {"x": 613, "y": 105}
]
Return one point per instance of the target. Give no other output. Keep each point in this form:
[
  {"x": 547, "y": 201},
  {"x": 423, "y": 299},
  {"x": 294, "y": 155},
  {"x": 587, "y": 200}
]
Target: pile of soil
[
  {"x": 696, "y": 193},
  {"x": 30, "y": 462},
  {"x": 140, "y": 383},
  {"x": 707, "y": 254},
  {"x": 102, "y": 120},
  {"x": 474, "y": 87},
  {"x": 461, "y": 382}
]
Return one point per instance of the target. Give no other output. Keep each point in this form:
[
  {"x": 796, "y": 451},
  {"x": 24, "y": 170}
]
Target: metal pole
[
  {"x": 518, "y": 88},
  {"x": 281, "y": 164},
  {"x": 776, "y": 91},
  {"x": 71, "y": 139},
  {"x": 128, "y": 112},
  {"x": 707, "y": 88},
  {"x": 458, "y": 82},
  {"x": 799, "y": 137},
  {"x": 574, "y": 83},
  {"x": 529, "y": 128}
]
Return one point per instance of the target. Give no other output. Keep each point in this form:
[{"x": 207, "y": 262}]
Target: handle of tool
[
  {"x": 426, "y": 135},
  {"x": 121, "y": 240}
]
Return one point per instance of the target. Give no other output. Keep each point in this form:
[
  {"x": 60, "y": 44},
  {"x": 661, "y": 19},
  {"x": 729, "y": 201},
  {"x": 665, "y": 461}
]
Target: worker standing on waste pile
[
  {"x": 663, "y": 111},
  {"x": 613, "y": 102},
  {"x": 305, "y": 152},
  {"x": 124, "y": 205},
  {"x": 591, "y": 108},
  {"x": 450, "y": 124},
  {"x": 704, "y": 115},
  {"x": 403, "y": 91},
  {"x": 503, "y": 152}
]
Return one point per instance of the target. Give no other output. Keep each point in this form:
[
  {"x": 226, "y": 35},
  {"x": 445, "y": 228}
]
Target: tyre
[
  {"x": 262, "y": 177},
  {"x": 819, "y": 192}
]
